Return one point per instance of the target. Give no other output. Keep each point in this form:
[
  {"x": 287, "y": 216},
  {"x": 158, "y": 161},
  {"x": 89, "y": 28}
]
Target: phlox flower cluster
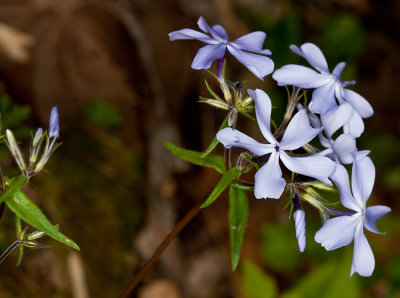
[{"x": 333, "y": 110}]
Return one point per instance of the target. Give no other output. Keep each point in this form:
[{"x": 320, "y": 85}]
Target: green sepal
[
  {"x": 20, "y": 253},
  {"x": 243, "y": 187},
  {"x": 211, "y": 161},
  {"x": 238, "y": 213},
  {"x": 215, "y": 142},
  {"x": 13, "y": 186},
  {"x": 30, "y": 213},
  {"x": 226, "y": 179},
  {"x": 212, "y": 92}
]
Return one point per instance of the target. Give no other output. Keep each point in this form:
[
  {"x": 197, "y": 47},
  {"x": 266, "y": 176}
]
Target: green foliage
[
  {"x": 279, "y": 247},
  {"x": 330, "y": 280},
  {"x": 238, "y": 213},
  {"x": 195, "y": 157},
  {"x": 12, "y": 115},
  {"x": 215, "y": 142},
  {"x": 343, "y": 38},
  {"x": 226, "y": 179},
  {"x": 100, "y": 112},
  {"x": 13, "y": 186},
  {"x": 256, "y": 283},
  {"x": 31, "y": 214}
]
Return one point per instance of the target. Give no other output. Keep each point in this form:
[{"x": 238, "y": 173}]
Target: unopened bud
[{"x": 16, "y": 152}]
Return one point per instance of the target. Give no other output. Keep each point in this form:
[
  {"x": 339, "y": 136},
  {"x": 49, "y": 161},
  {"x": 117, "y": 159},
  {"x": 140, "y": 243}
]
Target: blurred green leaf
[
  {"x": 102, "y": 113},
  {"x": 238, "y": 213},
  {"x": 215, "y": 142},
  {"x": 195, "y": 157},
  {"x": 14, "y": 185},
  {"x": 343, "y": 38},
  {"x": 279, "y": 247},
  {"x": 257, "y": 283},
  {"x": 225, "y": 180},
  {"x": 31, "y": 214},
  {"x": 12, "y": 115},
  {"x": 330, "y": 280}
]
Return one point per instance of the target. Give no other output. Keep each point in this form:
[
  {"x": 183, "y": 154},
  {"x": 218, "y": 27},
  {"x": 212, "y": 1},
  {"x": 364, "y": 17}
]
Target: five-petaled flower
[
  {"x": 268, "y": 179},
  {"x": 341, "y": 230},
  {"x": 218, "y": 43},
  {"x": 329, "y": 89}
]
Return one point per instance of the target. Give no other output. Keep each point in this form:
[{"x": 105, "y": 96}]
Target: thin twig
[{"x": 164, "y": 244}]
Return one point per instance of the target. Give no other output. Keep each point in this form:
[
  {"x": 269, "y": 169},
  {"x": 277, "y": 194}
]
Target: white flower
[
  {"x": 329, "y": 89},
  {"x": 341, "y": 230},
  {"x": 268, "y": 179}
]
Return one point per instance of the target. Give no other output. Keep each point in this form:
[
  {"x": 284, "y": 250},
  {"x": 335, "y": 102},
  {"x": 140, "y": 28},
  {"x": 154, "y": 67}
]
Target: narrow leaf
[
  {"x": 243, "y": 187},
  {"x": 211, "y": 161},
  {"x": 215, "y": 142},
  {"x": 14, "y": 185},
  {"x": 20, "y": 253},
  {"x": 228, "y": 177},
  {"x": 238, "y": 213},
  {"x": 28, "y": 211}
]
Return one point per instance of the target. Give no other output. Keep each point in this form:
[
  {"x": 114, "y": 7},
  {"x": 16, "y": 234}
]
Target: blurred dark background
[{"x": 122, "y": 88}]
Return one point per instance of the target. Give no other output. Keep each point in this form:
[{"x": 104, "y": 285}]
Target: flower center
[{"x": 277, "y": 147}]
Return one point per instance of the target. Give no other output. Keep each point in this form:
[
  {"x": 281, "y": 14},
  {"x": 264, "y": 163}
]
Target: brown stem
[{"x": 164, "y": 244}]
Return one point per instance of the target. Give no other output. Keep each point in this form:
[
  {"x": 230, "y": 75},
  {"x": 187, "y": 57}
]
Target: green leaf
[
  {"x": 215, "y": 142},
  {"x": 228, "y": 177},
  {"x": 102, "y": 113},
  {"x": 238, "y": 213},
  {"x": 328, "y": 280},
  {"x": 14, "y": 185},
  {"x": 26, "y": 210},
  {"x": 243, "y": 187},
  {"x": 256, "y": 283},
  {"x": 211, "y": 161}
]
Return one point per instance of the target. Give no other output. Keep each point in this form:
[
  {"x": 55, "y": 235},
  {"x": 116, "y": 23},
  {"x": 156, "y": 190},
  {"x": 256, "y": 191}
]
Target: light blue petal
[
  {"x": 259, "y": 65},
  {"x": 191, "y": 34},
  {"x": 341, "y": 179},
  {"x": 318, "y": 167},
  {"x": 355, "y": 126},
  {"x": 323, "y": 98},
  {"x": 299, "y": 76},
  {"x": 337, "y": 232},
  {"x": 300, "y": 225},
  {"x": 359, "y": 103},
  {"x": 268, "y": 181},
  {"x": 362, "y": 178},
  {"x": 337, "y": 72},
  {"x": 207, "y": 54},
  {"x": 220, "y": 31},
  {"x": 298, "y": 132},
  {"x": 231, "y": 137},
  {"x": 336, "y": 118},
  {"x": 313, "y": 55},
  {"x": 251, "y": 42},
  {"x": 206, "y": 28},
  {"x": 344, "y": 147},
  {"x": 374, "y": 213},
  {"x": 363, "y": 258},
  {"x": 263, "y": 113}
]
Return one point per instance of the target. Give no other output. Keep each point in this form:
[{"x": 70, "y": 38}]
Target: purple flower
[
  {"x": 218, "y": 43},
  {"x": 342, "y": 230},
  {"x": 268, "y": 179},
  {"x": 329, "y": 89}
]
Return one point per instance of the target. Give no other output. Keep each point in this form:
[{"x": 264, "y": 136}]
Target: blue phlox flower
[
  {"x": 342, "y": 230},
  {"x": 246, "y": 49},
  {"x": 329, "y": 89},
  {"x": 268, "y": 179}
]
